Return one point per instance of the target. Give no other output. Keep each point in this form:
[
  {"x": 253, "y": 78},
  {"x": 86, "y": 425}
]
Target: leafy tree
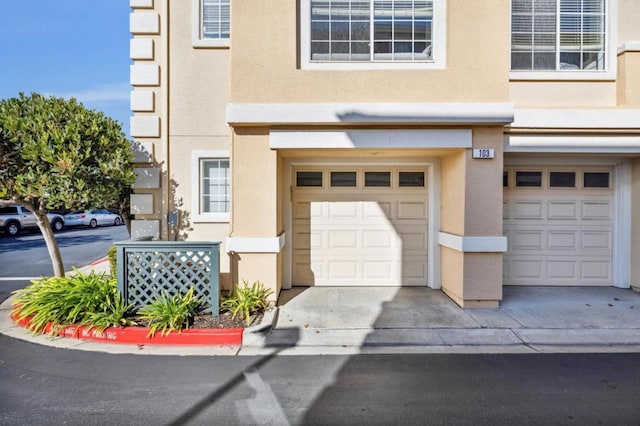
[{"x": 55, "y": 153}]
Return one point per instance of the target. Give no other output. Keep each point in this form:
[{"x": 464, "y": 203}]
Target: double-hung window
[
  {"x": 211, "y": 182},
  {"x": 211, "y": 23},
  {"x": 559, "y": 35},
  {"x": 372, "y": 32}
]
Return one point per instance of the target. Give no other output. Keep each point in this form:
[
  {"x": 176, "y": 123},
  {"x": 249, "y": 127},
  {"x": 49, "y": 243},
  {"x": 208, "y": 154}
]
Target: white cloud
[{"x": 100, "y": 95}]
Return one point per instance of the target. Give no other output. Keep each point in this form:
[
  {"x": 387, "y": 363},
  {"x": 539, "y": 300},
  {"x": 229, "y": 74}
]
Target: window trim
[
  {"x": 609, "y": 73},
  {"x": 439, "y": 46},
  {"x": 196, "y": 29},
  {"x": 196, "y": 158}
]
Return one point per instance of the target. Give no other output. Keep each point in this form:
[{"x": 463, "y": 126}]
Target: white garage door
[
  {"x": 559, "y": 226},
  {"x": 360, "y": 227}
]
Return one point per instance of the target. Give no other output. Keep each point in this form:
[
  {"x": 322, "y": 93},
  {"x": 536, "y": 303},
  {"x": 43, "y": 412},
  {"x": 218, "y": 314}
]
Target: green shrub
[
  {"x": 112, "y": 254},
  {"x": 92, "y": 300},
  {"x": 170, "y": 314},
  {"x": 247, "y": 300}
]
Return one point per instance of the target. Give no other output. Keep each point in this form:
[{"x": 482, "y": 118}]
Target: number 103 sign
[{"x": 483, "y": 153}]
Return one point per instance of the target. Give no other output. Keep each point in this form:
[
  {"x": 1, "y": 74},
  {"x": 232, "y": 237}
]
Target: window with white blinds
[
  {"x": 215, "y": 20},
  {"x": 371, "y": 30},
  {"x": 564, "y": 35}
]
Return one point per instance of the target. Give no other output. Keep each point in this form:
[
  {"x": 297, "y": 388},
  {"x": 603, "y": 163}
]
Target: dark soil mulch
[{"x": 222, "y": 321}]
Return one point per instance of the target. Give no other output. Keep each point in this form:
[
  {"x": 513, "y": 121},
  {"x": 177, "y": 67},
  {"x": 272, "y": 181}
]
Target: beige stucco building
[{"x": 451, "y": 144}]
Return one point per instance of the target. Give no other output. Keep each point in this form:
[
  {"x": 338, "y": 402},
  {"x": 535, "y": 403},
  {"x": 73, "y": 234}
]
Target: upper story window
[
  {"x": 558, "y": 35},
  {"x": 369, "y": 33},
  {"x": 211, "y": 23}
]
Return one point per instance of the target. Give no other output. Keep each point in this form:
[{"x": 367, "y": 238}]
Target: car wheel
[
  {"x": 13, "y": 229},
  {"x": 57, "y": 225},
  {"x": 93, "y": 223},
  {"x": 117, "y": 221}
]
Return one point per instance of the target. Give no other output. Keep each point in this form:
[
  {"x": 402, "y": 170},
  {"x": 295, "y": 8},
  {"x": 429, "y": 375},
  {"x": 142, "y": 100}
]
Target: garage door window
[
  {"x": 411, "y": 179},
  {"x": 343, "y": 179},
  {"x": 562, "y": 179},
  {"x": 313, "y": 179},
  {"x": 596, "y": 180},
  {"x": 529, "y": 179},
  {"x": 377, "y": 179}
]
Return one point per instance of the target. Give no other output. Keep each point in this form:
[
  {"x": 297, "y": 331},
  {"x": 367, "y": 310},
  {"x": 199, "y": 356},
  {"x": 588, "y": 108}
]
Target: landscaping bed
[{"x": 90, "y": 307}]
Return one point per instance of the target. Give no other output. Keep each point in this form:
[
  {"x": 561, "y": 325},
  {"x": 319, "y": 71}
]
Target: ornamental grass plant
[
  {"x": 247, "y": 299},
  {"x": 167, "y": 314},
  {"x": 89, "y": 300}
]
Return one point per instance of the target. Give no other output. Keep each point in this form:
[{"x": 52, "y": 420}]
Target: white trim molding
[
  {"x": 369, "y": 113},
  {"x": 622, "y": 195},
  {"x": 630, "y": 46},
  {"x": 451, "y": 138},
  {"x": 573, "y": 144},
  {"x": 473, "y": 244},
  {"x": 255, "y": 244},
  {"x": 571, "y": 118}
]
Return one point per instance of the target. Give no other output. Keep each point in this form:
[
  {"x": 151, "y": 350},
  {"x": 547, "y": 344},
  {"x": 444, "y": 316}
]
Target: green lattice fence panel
[{"x": 147, "y": 269}]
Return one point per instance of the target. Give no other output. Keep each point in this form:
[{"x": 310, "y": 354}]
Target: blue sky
[{"x": 68, "y": 48}]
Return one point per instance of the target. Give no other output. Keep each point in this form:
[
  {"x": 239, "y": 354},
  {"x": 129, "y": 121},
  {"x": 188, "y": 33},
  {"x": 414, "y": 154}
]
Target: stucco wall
[
  {"x": 628, "y": 84},
  {"x": 483, "y": 183},
  {"x": 255, "y": 185},
  {"x": 266, "y": 69},
  {"x": 453, "y": 193}
]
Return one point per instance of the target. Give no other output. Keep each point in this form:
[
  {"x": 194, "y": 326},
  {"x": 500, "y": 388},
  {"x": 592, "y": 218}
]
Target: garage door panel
[
  {"x": 341, "y": 209},
  {"x": 412, "y": 210},
  {"x": 562, "y": 240},
  {"x": 563, "y": 210},
  {"x": 378, "y": 209},
  {"x": 377, "y": 270},
  {"x": 527, "y": 239},
  {"x": 343, "y": 239},
  {"x": 527, "y": 268},
  {"x": 532, "y": 210},
  {"x": 597, "y": 240},
  {"x": 414, "y": 270},
  {"x": 595, "y": 270},
  {"x": 378, "y": 239},
  {"x": 596, "y": 210},
  {"x": 342, "y": 270},
  {"x": 301, "y": 210},
  {"x": 562, "y": 270}
]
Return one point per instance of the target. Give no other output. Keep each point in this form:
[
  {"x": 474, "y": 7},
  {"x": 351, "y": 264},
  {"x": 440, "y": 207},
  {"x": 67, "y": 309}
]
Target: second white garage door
[
  {"x": 559, "y": 226},
  {"x": 360, "y": 227}
]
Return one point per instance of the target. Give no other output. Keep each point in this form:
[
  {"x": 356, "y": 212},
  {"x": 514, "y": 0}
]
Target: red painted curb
[
  {"x": 99, "y": 261},
  {"x": 138, "y": 335}
]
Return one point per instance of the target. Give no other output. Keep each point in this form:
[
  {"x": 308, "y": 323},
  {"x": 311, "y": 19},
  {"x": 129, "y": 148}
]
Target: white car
[{"x": 92, "y": 218}]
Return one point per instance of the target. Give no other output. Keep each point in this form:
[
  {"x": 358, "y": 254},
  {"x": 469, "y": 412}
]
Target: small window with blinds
[
  {"x": 214, "y": 185},
  {"x": 558, "y": 35},
  {"x": 215, "y": 20}
]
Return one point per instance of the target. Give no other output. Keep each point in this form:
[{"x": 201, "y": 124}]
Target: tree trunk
[
  {"x": 125, "y": 212},
  {"x": 52, "y": 244}
]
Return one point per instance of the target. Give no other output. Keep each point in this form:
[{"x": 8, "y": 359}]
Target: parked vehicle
[
  {"x": 15, "y": 218},
  {"x": 92, "y": 218}
]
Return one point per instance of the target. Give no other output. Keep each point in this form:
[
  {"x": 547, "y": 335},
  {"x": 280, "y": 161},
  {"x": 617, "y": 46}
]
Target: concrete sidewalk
[
  {"x": 530, "y": 319},
  {"x": 342, "y": 320}
]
